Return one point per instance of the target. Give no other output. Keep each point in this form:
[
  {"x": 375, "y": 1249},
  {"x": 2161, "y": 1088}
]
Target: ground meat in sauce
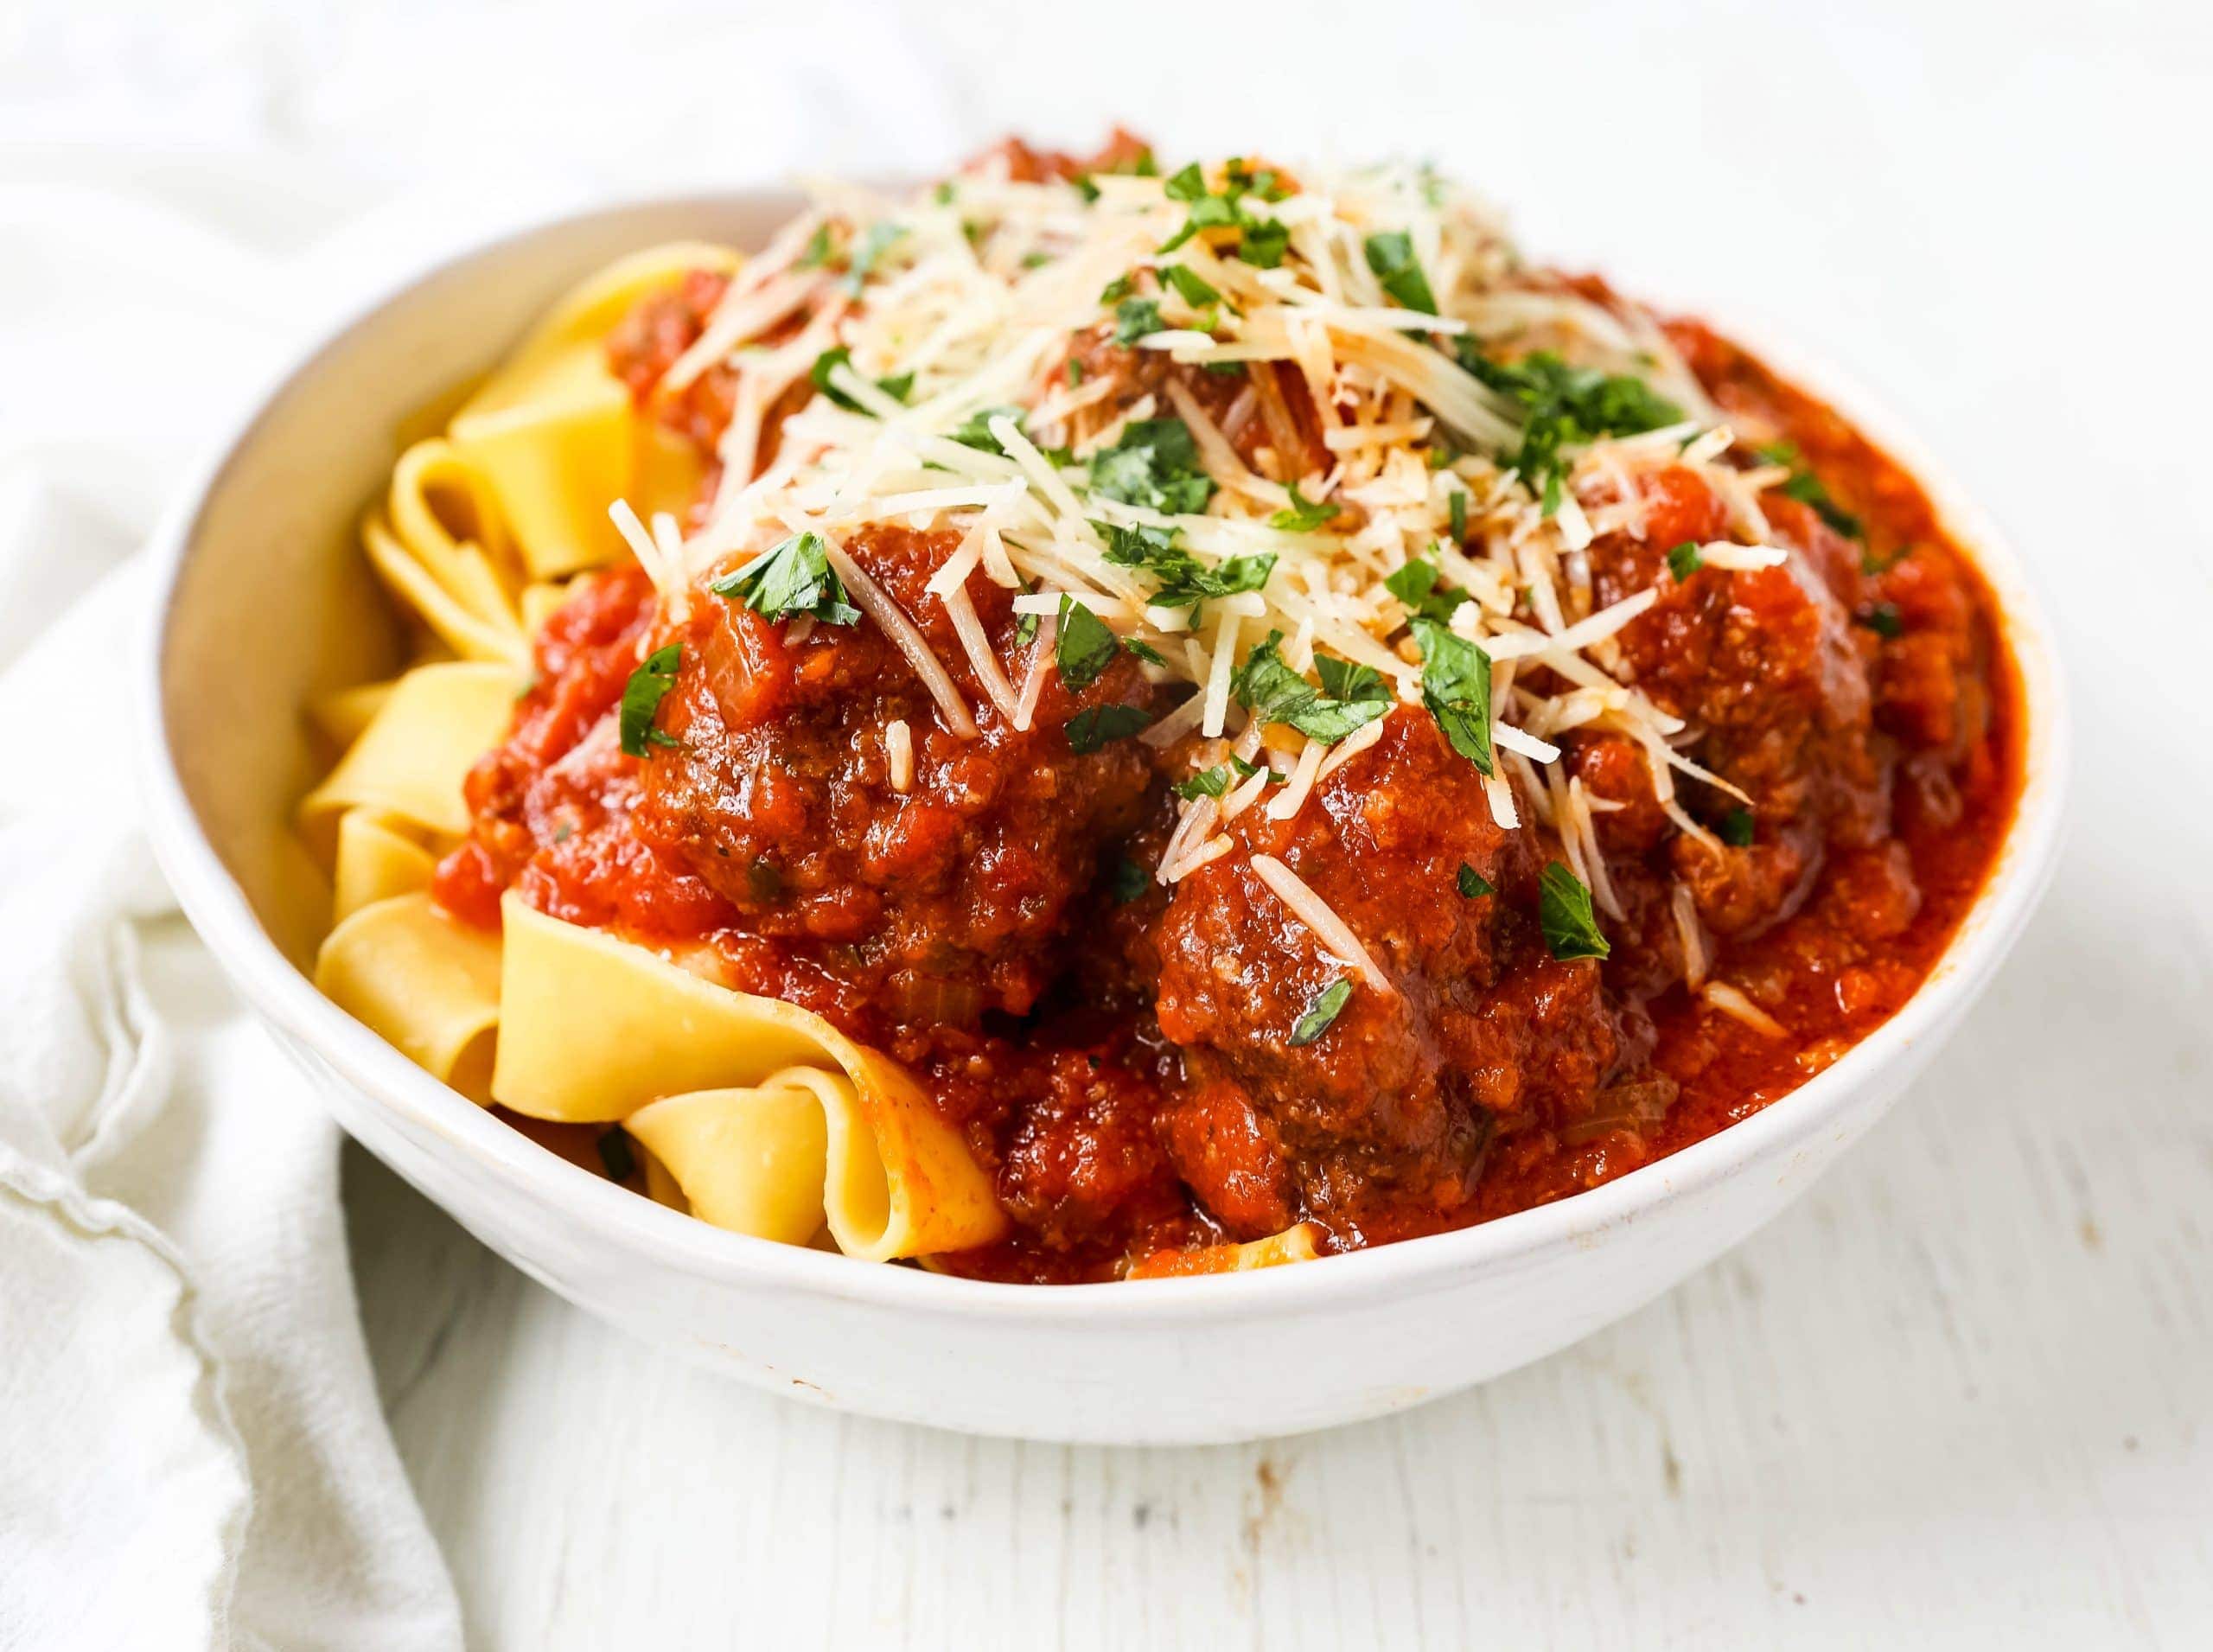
[
  {"x": 928, "y": 907},
  {"x": 1117, "y": 1054}
]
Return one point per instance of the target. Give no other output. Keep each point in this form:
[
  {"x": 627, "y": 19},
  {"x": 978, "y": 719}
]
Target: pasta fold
[{"x": 597, "y": 1028}]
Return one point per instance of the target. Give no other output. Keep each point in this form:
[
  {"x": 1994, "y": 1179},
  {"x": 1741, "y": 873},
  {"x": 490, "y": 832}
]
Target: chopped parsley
[
  {"x": 1261, "y": 242},
  {"x": 1075, "y": 371},
  {"x": 1134, "y": 318},
  {"x": 1322, "y": 1012},
  {"x": 975, "y": 431},
  {"x": 1391, "y": 256},
  {"x": 1685, "y": 560},
  {"x": 1456, "y": 686},
  {"x": 1884, "y": 621},
  {"x": 1456, "y": 514},
  {"x": 1185, "y": 580},
  {"x": 1737, "y": 827},
  {"x": 1805, "y": 488},
  {"x": 1473, "y": 883},
  {"x": 792, "y": 578},
  {"x": 1217, "y": 781},
  {"x": 1304, "y": 516},
  {"x": 1097, "y": 725},
  {"x": 1565, "y": 407},
  {"x": 615, "y": 1155},
  {"x": 869, "y": 251},
  {"x": 1154, "y": 464},
  {"x": 1348, "y": 680},
  {"x": 1082, "y": 646},
  {"x": 816, "y": 253},
  {"x": 1144, "y": 651},
  {"x": 1117, "y": 289},
  {"x": 1415, "y": 584},
  {"x": 1128, "y": 880},
  {"x": 895, "y": 388},
  {"x": 1564, "y": 912},
  {"x": 1276, "y": 693},
  {"x": 1190, "y": 286},
  {"x": 641, "y": 697}
]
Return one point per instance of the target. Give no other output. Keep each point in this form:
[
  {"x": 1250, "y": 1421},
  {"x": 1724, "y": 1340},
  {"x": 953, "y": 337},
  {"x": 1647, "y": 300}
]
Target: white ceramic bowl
[{"x": 264, "y": 599}]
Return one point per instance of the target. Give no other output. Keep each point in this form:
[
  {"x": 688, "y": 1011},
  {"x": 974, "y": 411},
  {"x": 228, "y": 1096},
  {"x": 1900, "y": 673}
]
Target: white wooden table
[
  {"x": 1965, "y": 1390},
  {"x": 1961, "y": 1392}
]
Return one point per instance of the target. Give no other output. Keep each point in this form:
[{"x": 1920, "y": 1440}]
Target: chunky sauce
[{"x": 1117, "y": 1052}]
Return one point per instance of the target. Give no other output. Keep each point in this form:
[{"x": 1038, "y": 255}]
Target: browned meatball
[
  {"x": 922, "y": 907},
  {"x": 1377, "y": 1125}
]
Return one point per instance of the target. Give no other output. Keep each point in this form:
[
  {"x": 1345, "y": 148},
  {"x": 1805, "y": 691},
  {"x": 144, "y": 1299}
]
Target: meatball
[
  {"x": 1768, "y": 667},
  {"x": 930, "y": 905},
  {"x": 1377, "y": 1125}
]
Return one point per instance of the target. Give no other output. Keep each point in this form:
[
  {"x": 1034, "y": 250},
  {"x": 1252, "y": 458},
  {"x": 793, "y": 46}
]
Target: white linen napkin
[{"x": 191, "y": 1448}]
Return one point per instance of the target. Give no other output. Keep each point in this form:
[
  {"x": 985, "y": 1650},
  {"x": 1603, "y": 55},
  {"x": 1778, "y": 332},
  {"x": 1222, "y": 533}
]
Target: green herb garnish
[
  {"x": 816, "y": 253},
  {"x": 1737, "y": 827},
  {"x": 1082, "y": 646},
  {"x": 1473, "y": 883},
  {"x": 641, "y": 697},
  {"x": 896, "y": 386},
  {"x": 1207, "y": 782},
  {"x": 1565, "y": 407},
  {"x": 1096, "y": 725},
  {"x": 1190, "y": 286},
  {"x": 1455, "y": 513},
  {"x": 792, "y": 578},
  {"x": 1134, "y": 318},
  {"x": 1685, "y": 560},
  {"x": 1322, "y": 1012},
  {"x": 1807, "y": 489},
  {"x": 1276, "y": 693},
  {"x": 1154, "y": 464},
  {"x": 1415, "y": 582},
  {"x": 1304, "y": 516},
  {"x": 1391, "y": 256},
  {"x": 1884, "y": 620},
  {"x": 1456, "y": 686},
  {"x": 869, "y": 251},
  {"x": 1185, "y": 580},
  {"x": 1128, "y": 880},
  {"x": 1564, "y": 912}
]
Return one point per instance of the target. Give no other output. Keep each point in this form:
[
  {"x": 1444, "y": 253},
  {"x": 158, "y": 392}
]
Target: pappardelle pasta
[{"x": 1089, "y": 723}]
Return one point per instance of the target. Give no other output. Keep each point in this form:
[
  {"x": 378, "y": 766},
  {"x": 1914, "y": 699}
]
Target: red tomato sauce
[{"x": 1117, "y": 1053}]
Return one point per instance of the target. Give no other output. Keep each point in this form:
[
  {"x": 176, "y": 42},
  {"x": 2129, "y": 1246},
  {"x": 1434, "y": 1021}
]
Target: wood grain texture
[{"x": 1964, "y": 1387}]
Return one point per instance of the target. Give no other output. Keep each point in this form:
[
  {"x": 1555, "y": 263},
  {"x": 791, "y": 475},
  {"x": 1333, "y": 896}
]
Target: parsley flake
[
  {"x": 1082, "y": 646},
  {"x": 1322, "y": 1012},
  {"x": 1134, "y": 318},
  {"x": 1456, "y": 686},
  {"x": 1455, "y": 513},
  {"x": 1097, "y": 725},
  {"x": 1565, "y": 407},
  {"x": 1415, "y": 582},
  {"x": 1473, "y": 883},
  {"x": 1154, "y": 464},
  {"x": 869, "y": 251},
  {"x": 1391, "y": 256},
  {"x": 792, "y": 578},
  {"x": 1685, "y": 560},
  {"x": 641, "y": 697},
  {"x": 1191, "y": 287},
  {"x": 1564, "y": 912},
  {"x": 1304, "y": 516},
  {"x": 1736, "y": 828},
  {"x": 1884, "y": 620},
  {"x": 1128, "y": 880},
  {"x": 1276, "y": 693},
  {"x": 895, "y": 388}
]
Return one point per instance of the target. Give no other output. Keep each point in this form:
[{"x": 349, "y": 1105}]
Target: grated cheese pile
[{"x": 943, "y": 325}]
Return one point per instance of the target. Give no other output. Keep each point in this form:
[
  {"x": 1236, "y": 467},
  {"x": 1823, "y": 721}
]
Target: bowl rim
[{"x": 642, "y": 1230}]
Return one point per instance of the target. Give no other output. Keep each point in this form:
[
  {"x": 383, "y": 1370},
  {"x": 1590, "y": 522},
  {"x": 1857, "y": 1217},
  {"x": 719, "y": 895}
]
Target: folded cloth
[{"x": 191, "y": 1448}]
